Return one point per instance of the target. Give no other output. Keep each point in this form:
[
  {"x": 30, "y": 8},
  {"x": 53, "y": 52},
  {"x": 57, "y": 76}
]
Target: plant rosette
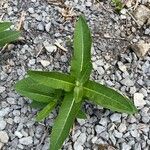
[{"x": 68, "y": 91}]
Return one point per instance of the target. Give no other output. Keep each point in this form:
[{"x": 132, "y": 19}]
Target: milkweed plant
[{"x": 69, "y": 90}]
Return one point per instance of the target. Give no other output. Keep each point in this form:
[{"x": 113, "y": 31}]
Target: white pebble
[
  {"x": 11, "y": 100},
  {"x": 4, "y": 137},
  {"x": 122, "y": 127},
  {"x": 18, "y": 134},
  {"x": 2, "y": 89},
  {"x": 31, "y": 10},
  {"x": 49, "y": 47},
  {"x": 115, "y": 117},
  {"x": 45, "y": 63},
  {"x": 138, "y": 100},
  {"x": 47, "y": 27},
  {"x": 1, "y": 145}
]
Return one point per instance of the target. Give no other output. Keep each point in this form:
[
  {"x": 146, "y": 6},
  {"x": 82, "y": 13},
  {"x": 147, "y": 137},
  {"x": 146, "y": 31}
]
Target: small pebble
[
  {"x": 2, "y": 89},
  {"x": 26, "y": 140},
  {"x": 4, "y": 137},
  {"x": 138, "y": 100}
]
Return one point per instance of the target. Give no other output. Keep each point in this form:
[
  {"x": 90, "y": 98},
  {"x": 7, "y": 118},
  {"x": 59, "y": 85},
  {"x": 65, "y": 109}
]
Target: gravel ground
[{"x": 114, "y": 64}]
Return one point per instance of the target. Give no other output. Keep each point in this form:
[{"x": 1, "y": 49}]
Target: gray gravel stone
[
  {"x": 1, "y": 145},
  {"x": 40, "y": 27},
  {"x": 115, "y": 117},
  {"x": 127, "y": 82},
  {"x": 2, "y": 89},
  {"x": 48, "y": 26},
  {"x": 18, "y": 134},
  {"x": 11, "y": 100},
  {"x": 31, "y": 10},
  {"x": 2, "y": 124},
  {"x": 99, "y": 129},
  {"x": 125, "y": 146},
  {"x": 49, "y": 47},
  {"x": 4, "y": 137},
  {"x": 122, "y": 127},
  {"x": 45, "y": 63},
  {"x": 26, "y": 140}
]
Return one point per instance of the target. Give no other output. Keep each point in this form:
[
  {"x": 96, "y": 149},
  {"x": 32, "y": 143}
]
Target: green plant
[
  {"x": 7, "y": 36},
  {"x": 118, "y": 5},
  {"x": 51, "y": 89}
]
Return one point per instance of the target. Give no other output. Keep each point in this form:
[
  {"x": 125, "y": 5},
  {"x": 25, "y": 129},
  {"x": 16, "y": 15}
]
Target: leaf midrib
[
  {"x": 82, "y": 47},
  {"x": 62, "y": 81}
]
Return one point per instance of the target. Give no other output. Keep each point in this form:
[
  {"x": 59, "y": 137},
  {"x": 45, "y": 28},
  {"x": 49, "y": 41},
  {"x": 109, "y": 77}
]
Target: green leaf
[
  {"x": 64, "y": 121},
  {"x": 8, "y": 36},
  {"x": 81, "y": 115},
  {"x": 40, "y": 105},
  {"x": 108, "y": 98},
  {"x": 53, "y": 79},
  {"x": 35, "y": 91},
  {"x": 82, "y": 47},
  {"x": 46, "y": 111},
  {"x": 4, "y": 26}
]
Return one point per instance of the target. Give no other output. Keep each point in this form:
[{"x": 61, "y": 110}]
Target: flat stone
[
  {"x": 138, "y": 100},
  {"x": 26, "y": 140},
  {"x": 4, "y": 137}
]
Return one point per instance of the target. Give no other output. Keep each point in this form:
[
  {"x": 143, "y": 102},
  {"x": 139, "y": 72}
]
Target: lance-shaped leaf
[
  {"x": 46, "y": 111},
  {"x": 64, "y": 121},
  {"x": 8, "y": 36},
  {"x": 82, "y": 47},
  {"x": 35, "y": 91},
  {"x": 4, "y": 26},
  {"x": 108, "y": 98},
  {"x": 53, "y": 79},
  {"x": 39, "y": 105}
]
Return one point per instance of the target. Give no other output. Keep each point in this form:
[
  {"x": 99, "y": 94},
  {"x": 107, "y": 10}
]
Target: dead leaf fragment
[
  {"x": 142, "y": 14},
  {"x": 140, "y": 48}
]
